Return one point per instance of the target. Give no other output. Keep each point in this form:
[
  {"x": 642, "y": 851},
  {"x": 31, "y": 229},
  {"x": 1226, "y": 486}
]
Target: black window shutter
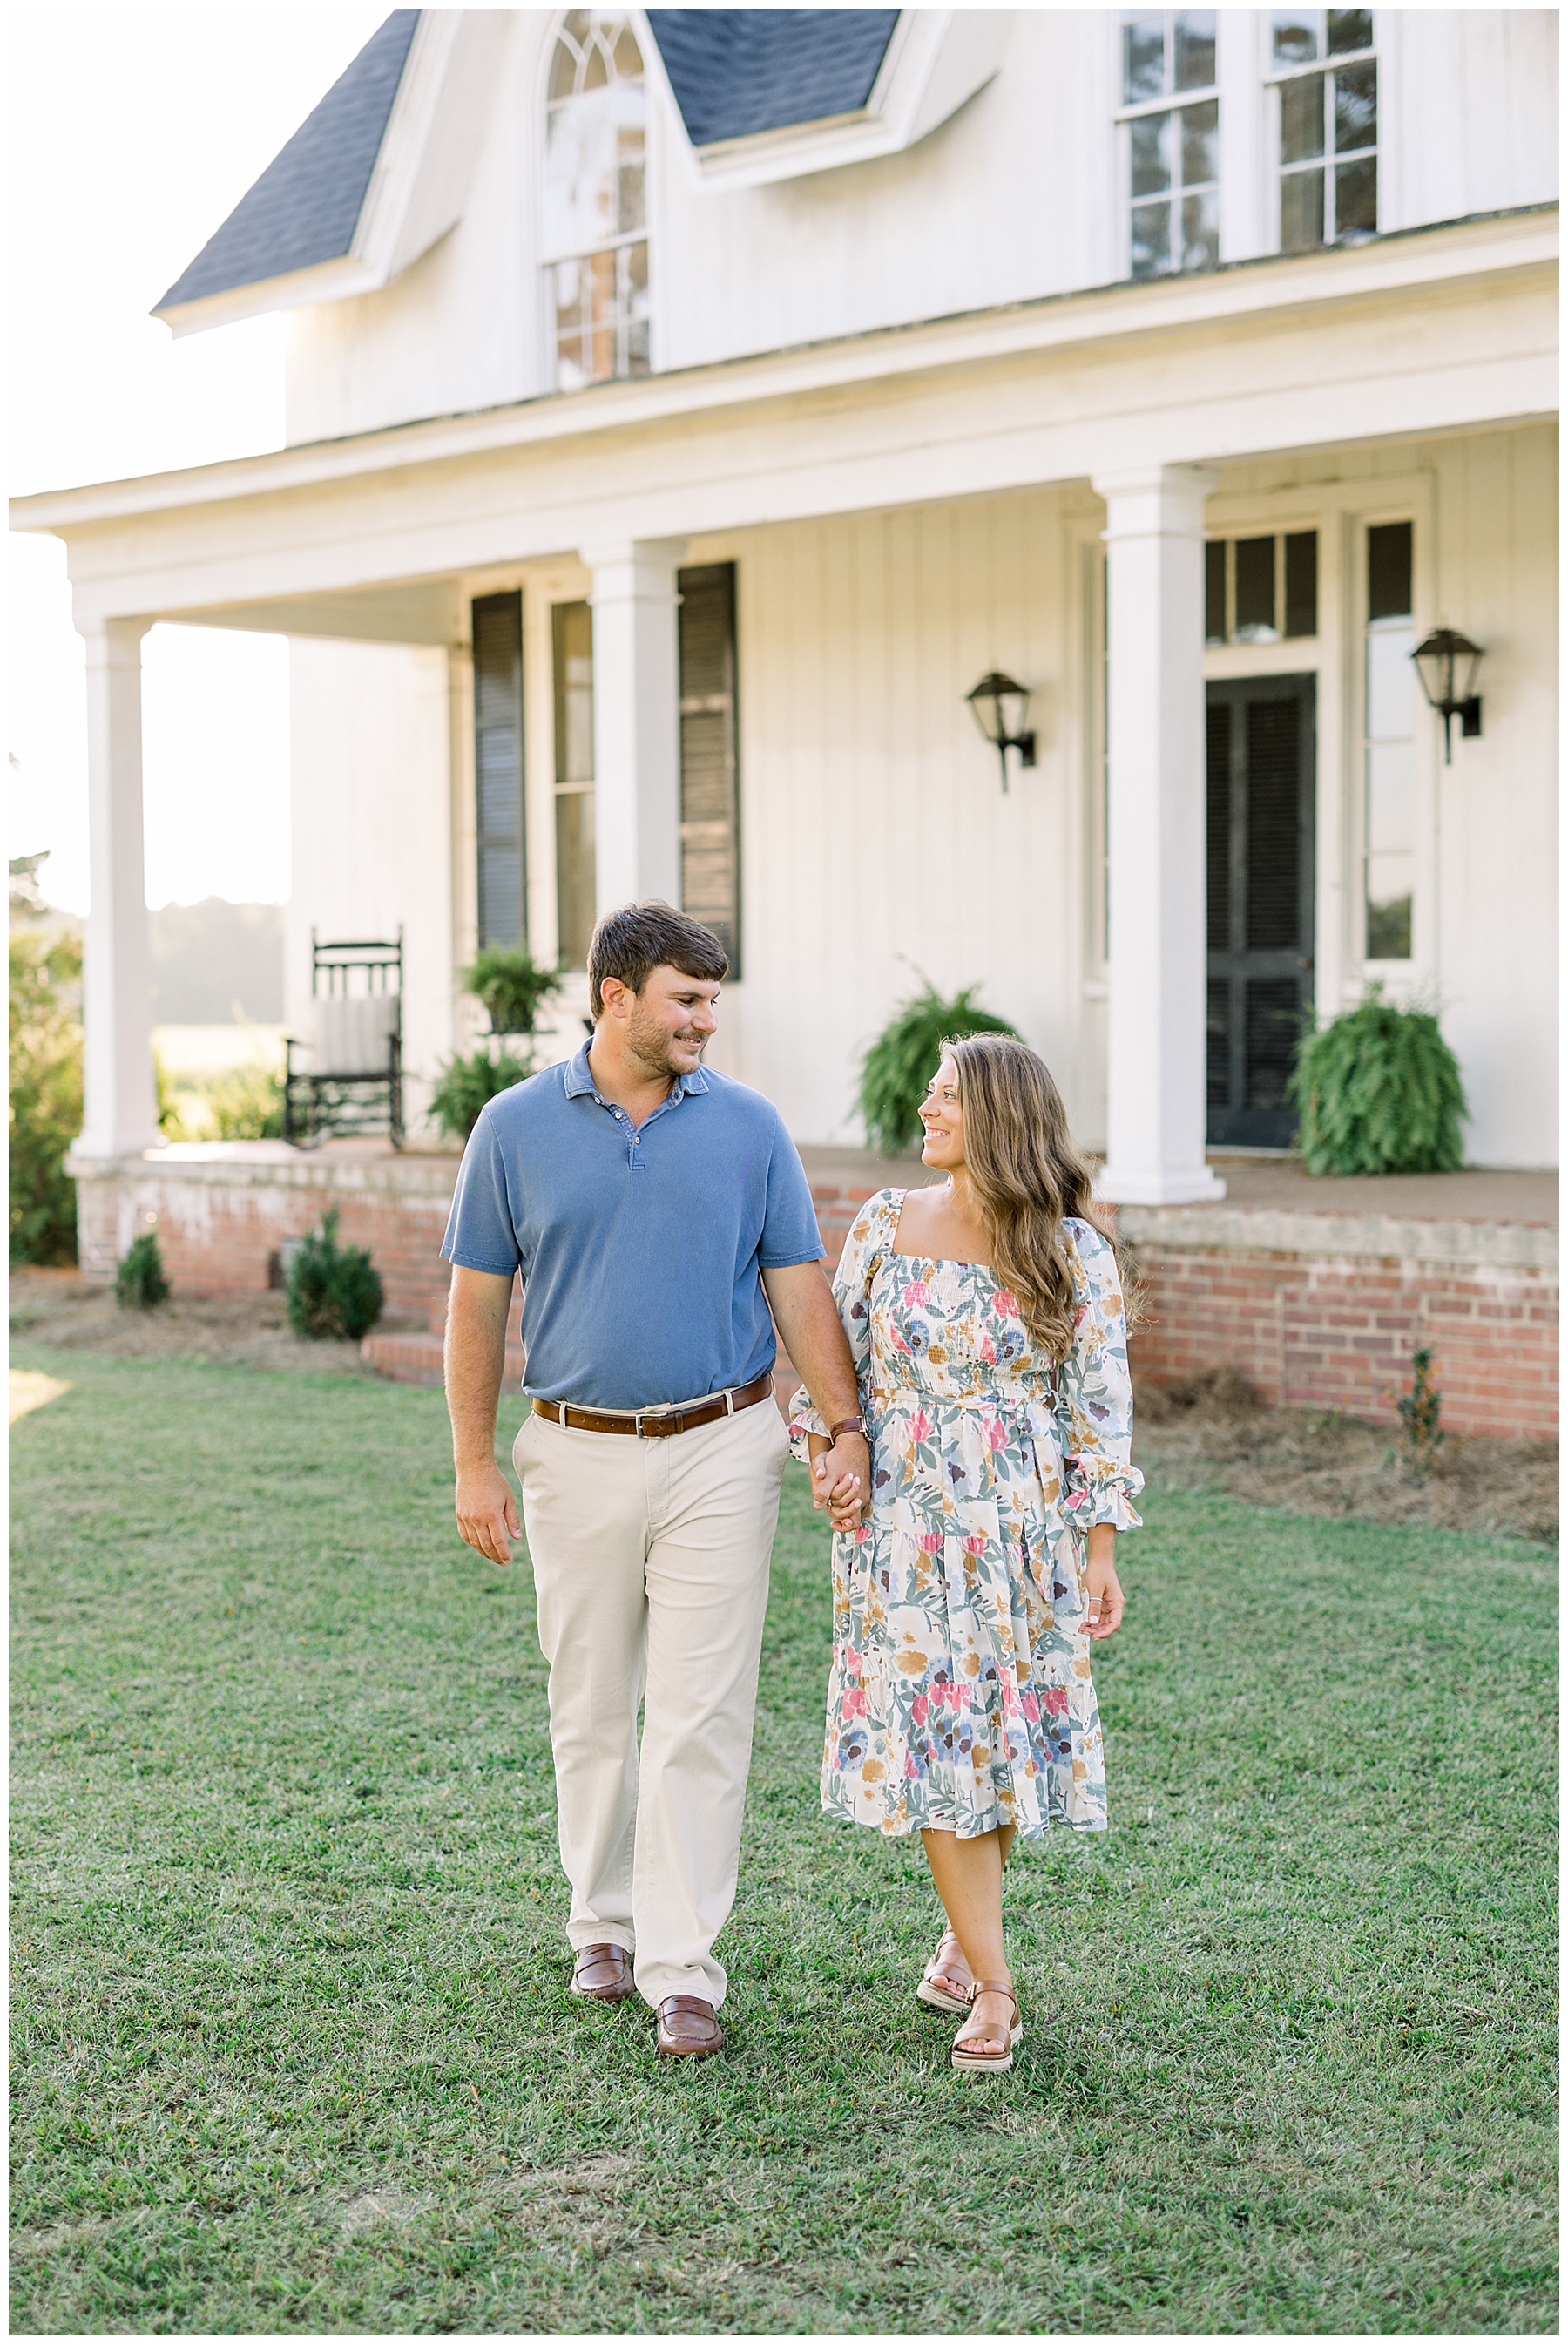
[
  {"x": 709, "y": 765},
  {"x": 498, "y": 768}
]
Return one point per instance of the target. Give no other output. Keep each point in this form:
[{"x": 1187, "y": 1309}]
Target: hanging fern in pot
[{"x": 1379, "y": 1090}]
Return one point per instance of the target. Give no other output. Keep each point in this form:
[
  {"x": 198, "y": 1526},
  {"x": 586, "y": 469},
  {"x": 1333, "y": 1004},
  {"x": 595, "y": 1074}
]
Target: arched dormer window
[{"x": 596, "y": 216}]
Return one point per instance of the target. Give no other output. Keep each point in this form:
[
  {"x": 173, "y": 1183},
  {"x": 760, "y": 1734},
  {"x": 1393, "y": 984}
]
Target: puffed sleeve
[
  {"x": 863, "y": 1250},
  {"x": 1094, "y": 1394}
]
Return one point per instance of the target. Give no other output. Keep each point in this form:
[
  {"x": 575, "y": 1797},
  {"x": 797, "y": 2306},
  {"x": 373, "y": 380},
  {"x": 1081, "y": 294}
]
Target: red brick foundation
[
  {"x": 1336, "y": 1333},
  {"x": 1318, "y": 1310}
]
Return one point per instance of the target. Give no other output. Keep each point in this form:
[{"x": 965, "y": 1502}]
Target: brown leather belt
[{"x": 651, "y": 1423}]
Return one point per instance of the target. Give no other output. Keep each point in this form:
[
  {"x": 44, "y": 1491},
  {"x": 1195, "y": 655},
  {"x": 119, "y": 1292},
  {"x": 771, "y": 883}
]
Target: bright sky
[{"x": 131, "y": 133}]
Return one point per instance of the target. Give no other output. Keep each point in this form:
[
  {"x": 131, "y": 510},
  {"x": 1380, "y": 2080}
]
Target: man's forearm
[
  {"x": 807, "y": 1319},
  {"x": 476, "y": 1356}
]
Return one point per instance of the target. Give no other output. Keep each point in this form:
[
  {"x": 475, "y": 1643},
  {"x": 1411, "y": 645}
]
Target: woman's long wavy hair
[{"x": 1026, "y": 1175}]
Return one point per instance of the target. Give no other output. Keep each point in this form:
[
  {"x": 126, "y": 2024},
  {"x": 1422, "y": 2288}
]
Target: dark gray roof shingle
[
  {"x": 738, "y": 71},
  {"x": 306, "y": 206}
]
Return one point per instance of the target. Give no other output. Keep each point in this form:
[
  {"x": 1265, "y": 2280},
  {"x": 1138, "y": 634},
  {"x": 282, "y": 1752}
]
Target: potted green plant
[
  {"x": 1379, "y": 1090},
  {"x": 512, "y": 988}
]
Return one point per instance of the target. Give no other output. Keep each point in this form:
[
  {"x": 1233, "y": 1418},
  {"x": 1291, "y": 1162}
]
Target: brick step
[{"x": 416, "y": 1359}]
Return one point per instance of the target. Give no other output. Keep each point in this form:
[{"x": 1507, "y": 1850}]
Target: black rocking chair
[{"x": 352, "y": 1087}]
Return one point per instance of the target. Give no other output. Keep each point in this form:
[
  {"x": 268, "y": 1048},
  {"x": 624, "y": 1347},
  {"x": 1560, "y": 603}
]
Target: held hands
[
  {"x": 841, "y": 1483},
  {"x": 488, "y": 1511}
]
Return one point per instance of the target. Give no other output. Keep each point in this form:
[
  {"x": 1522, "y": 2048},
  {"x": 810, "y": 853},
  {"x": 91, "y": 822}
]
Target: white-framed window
[
  {"x": 1326, "y": 75},
  {"x": 1170, "y": 118},
  {"x": 595, "y": 208},
  {"x": 1390, "y": 701}
]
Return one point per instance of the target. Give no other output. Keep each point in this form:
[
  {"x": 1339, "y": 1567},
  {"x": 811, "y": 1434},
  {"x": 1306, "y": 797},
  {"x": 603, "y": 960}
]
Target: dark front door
[{"x": 1262, "y": 771}]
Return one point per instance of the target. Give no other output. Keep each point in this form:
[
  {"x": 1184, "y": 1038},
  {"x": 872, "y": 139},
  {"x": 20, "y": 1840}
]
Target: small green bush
[
  {"x": 45, "y": 1112},
  {"x": 139, "y": 1281},
  {"x": 512, "y": 986},
  {"x": 467, "y": 1085},
  {"x": 333, "y": 1289},
  {"x": 900, "y": 1061},
  {"x": 245, "y": 1102},
  {"x": 1379, "y": 1091},
  {"x": 1419, "y": 1414}
]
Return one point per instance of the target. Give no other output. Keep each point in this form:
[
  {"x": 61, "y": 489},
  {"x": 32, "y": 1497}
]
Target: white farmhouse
[{"x": 688, "y": 408}]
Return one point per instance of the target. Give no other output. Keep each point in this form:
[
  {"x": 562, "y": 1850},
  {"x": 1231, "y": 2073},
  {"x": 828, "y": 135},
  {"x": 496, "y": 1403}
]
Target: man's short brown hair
[{"x": 640, "y": 937}]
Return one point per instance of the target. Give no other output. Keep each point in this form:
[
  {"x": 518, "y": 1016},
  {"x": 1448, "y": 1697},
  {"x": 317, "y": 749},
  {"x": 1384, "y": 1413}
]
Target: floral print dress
[{"x": 961, "y": 1697}]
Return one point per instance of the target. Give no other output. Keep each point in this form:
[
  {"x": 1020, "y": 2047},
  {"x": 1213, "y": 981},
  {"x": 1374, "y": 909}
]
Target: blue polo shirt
[{"x": 641, "y": 1250}]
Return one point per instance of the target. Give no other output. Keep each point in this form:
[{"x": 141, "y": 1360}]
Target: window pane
[
  {"x": 1355, "y": 199},
  {"x": 1301, "y": 119},
  {"x": 635, "y": 307},
  {"x": 1302, "y": 583},
  {"x": 1301, "y": 211},
  {"x": 1215, "y": 592},
  {"x": 593, "y": 168},
  {"x": 572, "y": 625},
  {"x": 1195, "y": 50},
  {"x": 574, "y": 876},
  {"x": 1355, "y": 108},
  {"x": 1153, "y": 138},
  {"x": 1349, "y": 28},
  {"x": 1390, "y": 887},
  {"x": 1390, "y": 562},
  {"x": 1391, "y": 798},
  {"x": 1201, "y": 230},
  {"x": 1142, "y": 59},
  {"x": 571, "y": 353},
  {"x": 1255, "y": 589},
  {"x": 1151, "y": 239},
  {"x": 631, "y": 209},
  {"x": 1296, "y": 35},
  {"x": 1200, "y": 144},
  {"x": 1392, "y": 684}
]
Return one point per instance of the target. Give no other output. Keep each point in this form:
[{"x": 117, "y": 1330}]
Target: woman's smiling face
[{"x": 941, "y": 1112}]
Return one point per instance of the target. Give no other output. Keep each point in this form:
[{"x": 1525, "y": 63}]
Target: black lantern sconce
[
  {"x": 1447, "y": 664},
  {"x": 1000, "y": 708}
]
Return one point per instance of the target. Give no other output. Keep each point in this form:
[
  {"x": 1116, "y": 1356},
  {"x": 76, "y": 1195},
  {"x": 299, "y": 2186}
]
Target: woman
[{"x": 986, "y": 1318}]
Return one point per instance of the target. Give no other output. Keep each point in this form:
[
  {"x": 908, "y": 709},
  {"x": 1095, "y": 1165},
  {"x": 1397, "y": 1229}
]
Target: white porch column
[
  {"x": 635, "y": 720},
  {"x": 1154, "y": 645},
  {"x": 121, "y": 1106}
]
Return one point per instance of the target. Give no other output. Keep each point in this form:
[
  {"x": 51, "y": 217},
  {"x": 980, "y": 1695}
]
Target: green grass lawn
[{"x": 291, "y": 2043}]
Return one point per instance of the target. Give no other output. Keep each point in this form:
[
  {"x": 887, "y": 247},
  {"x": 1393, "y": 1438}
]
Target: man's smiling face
[{"x": 668, "y": 1024}]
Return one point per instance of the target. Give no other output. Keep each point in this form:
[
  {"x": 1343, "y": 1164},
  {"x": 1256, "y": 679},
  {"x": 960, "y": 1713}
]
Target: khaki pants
[{"x": 650, "y": 1566}]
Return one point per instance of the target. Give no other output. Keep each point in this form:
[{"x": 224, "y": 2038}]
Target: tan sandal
[
  {"x": 989, "y": 2063},
  {"x": 937, "y": 1996}
]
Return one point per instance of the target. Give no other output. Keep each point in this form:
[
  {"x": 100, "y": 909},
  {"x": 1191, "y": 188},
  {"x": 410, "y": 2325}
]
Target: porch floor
[{"x": 1257, "y": 1183}]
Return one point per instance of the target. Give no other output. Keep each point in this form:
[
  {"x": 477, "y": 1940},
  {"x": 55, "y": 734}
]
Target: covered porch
[{"x": 1033, "y": 491}]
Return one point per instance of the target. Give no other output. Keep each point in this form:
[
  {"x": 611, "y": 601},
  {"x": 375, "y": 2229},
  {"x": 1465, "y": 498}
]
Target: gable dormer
[{"x": 381, "y": 169}]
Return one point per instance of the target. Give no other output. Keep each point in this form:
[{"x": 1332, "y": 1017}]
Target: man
[{"x": 650, "y": 1205}]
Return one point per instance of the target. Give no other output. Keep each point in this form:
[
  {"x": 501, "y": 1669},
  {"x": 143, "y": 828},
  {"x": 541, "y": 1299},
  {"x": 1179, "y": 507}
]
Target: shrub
[
  {"x": 45, "y": 1072},
  {"x": 333, "y": 1289},
  {"x": 1379, "y": 1091},
  {"x": 467, "y": 1085},
  {"x": 901, "y": 1061},
  {"x": 139, "y": 1281},
  {"x": 246, "y": 1103},
  {"x": 512, "y": 987},
  {"x": 1419, "y": 1411}
]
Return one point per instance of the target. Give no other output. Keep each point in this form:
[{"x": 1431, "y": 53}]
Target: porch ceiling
[{"x": 1436, "y": 331}]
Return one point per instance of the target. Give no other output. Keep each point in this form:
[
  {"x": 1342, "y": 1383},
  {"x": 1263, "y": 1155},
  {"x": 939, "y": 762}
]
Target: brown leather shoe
[
  {"x": 687, "y": 2028},
  {"x": 603, "y": 1973}
]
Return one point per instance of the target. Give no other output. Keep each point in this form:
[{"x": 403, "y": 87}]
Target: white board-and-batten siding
[{"x": 877, "y": 845}]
